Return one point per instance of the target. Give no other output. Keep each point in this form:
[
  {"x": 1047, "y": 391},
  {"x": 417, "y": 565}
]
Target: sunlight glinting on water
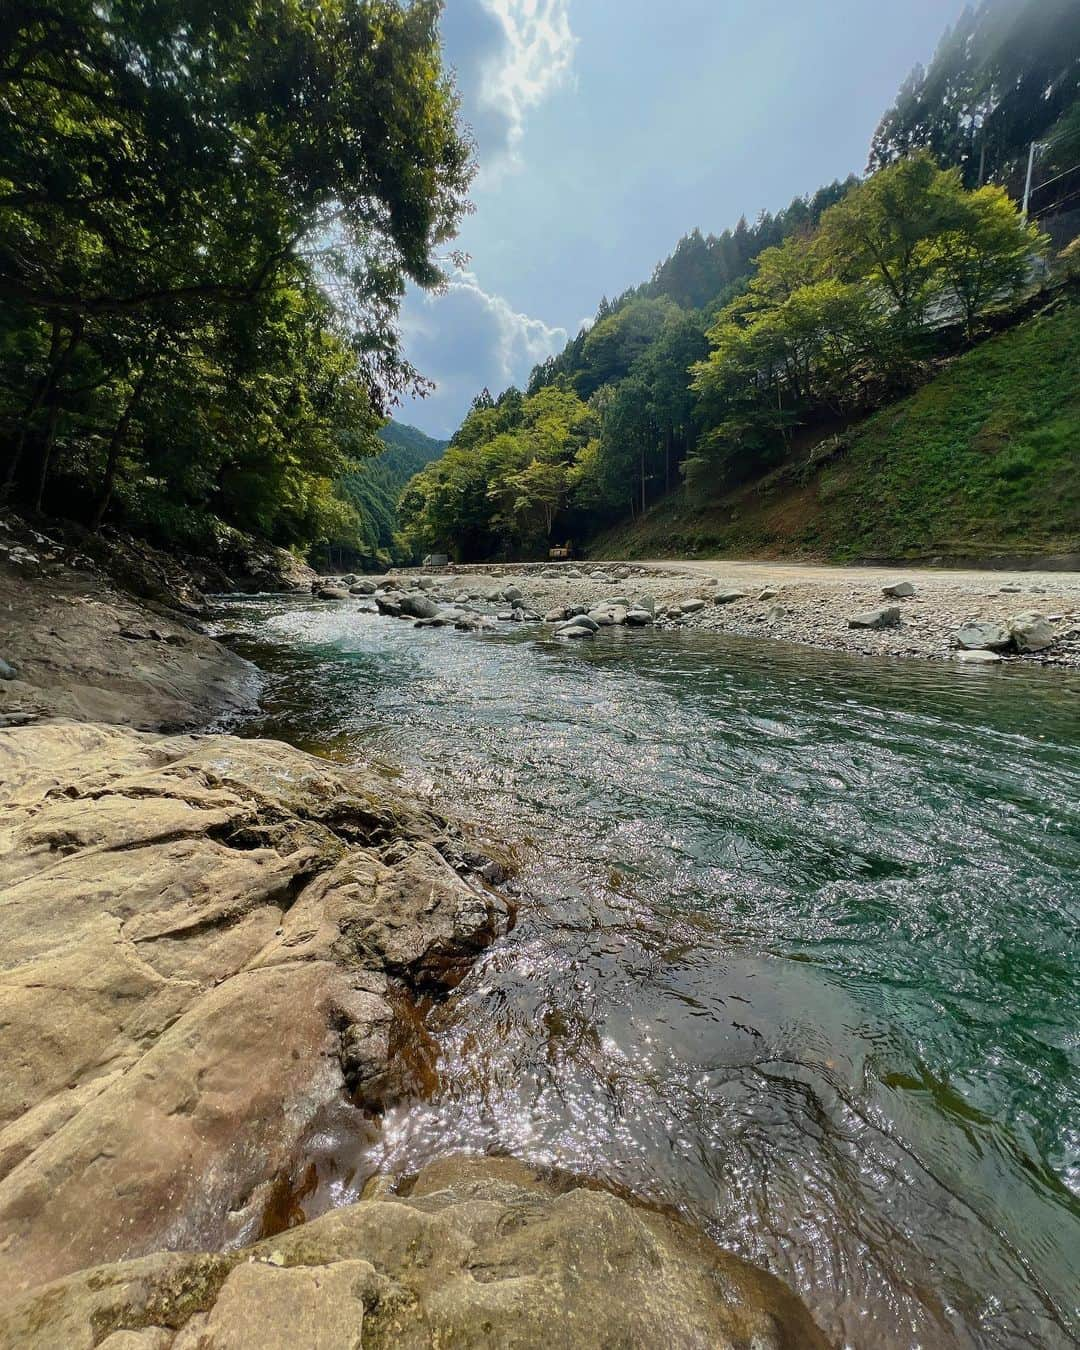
[{"x": 795, "y": 954}]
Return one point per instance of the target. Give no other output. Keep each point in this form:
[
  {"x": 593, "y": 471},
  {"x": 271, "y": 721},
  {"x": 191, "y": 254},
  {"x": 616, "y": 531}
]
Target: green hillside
[
  {"x": 374, "y": 486},
  {"x": 982, "y": 461}
]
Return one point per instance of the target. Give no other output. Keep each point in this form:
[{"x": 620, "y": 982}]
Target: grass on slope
[{"x": 984, "y": 460}]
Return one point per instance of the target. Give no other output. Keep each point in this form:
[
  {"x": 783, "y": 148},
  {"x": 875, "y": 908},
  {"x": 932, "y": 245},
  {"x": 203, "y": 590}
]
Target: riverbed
[{"x": 795, "y": 954}]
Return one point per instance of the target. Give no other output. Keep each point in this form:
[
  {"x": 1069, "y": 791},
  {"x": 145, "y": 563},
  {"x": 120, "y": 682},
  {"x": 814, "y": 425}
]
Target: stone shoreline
[{"x": 866, "y": 612}]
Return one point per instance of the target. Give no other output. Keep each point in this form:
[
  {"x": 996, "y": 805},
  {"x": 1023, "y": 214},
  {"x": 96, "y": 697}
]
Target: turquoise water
[{"x": 797, "y": 952}]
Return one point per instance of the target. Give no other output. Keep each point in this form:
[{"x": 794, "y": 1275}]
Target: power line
[
  {"x": 1064, "y": 173},
  {"x": 1047, "y": 209}
]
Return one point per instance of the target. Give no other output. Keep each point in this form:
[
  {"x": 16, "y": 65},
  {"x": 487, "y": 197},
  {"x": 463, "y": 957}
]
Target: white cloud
[
  {"x": 522, "y": 341},
  {"x": 465, "y": 338},
  {"x": 537, "y": 56}
]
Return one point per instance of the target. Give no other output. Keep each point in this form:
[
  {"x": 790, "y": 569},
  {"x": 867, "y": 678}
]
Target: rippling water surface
[{"x": 799, "y": 956}]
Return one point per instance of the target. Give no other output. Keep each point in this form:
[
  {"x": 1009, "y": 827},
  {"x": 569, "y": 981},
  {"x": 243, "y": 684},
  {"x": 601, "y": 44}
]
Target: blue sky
[{"x": 608, "y": 128}]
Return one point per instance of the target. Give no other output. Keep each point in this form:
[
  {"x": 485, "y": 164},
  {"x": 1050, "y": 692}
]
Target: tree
[
  {"x": 207, "y": 218},
  {"x": 984, "y": 250}
]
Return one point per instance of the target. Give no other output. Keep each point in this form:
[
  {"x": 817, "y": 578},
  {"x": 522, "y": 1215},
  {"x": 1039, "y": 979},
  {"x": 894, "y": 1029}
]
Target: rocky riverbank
[
  {"x": 216, "y": 951},
  {"x": 978, "y": 617}
]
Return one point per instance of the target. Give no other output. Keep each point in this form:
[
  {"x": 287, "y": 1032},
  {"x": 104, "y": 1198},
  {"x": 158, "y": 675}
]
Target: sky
[{"x": 607, "y": 129}]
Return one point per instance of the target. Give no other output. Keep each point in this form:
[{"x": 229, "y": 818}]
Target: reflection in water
[{"x": 798, "y": 957}]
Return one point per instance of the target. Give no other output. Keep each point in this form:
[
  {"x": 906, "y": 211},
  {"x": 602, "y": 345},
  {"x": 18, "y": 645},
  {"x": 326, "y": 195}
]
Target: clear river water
[{"x": 796, "y": 953}]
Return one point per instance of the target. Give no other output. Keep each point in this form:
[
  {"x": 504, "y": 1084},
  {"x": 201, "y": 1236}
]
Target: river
[{"x": 796, "y": 953}]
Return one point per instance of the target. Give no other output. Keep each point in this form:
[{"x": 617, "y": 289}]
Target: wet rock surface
[
  {"x": 475, "y": 1252},
  {"x": 204, "y": 942}
]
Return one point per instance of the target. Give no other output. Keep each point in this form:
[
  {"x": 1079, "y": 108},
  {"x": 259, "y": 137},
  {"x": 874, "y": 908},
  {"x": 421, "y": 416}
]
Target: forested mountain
[
  {"x": 743, "y": 343},
  {"x": 372, "y": 488},
  {"x": 208, "y": 215}
]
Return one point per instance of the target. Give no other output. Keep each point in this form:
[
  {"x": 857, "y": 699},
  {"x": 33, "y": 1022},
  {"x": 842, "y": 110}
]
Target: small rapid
[{"x": 796, "y": 957}]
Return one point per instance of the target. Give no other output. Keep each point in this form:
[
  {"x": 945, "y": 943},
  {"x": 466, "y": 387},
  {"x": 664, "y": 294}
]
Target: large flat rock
[{"x": 204, "y": 941}]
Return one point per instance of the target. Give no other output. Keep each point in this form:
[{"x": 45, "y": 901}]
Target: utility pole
[{"x": 1027, "y": 184}]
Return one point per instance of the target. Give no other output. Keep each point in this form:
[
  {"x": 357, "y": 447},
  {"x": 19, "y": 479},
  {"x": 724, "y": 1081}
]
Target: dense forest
[
  {"x": 208, "y": 215},
  {"x": 771, "y": 334}
]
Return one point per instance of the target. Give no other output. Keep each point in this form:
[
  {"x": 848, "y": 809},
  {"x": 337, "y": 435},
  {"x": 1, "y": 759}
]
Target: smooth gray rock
[
  {"x": 727, "y": 597},
  {"x": 417, "y": 605},
  {"x": 638, "y": 618},
  {"x": 8, "y": 672},
  {"x": 643, "y": 602},
  {"x": 391, "y": 608},
  {"x": 575, "y": 630},
  {"x": 978, "y": 657},
  {"x": 691, "y": 606},
  {"x": 768, "y": 593},
  {"x": 602, "y": 617},
  {"x": 991, "y": 637},
  {"x": 1030, "y": 632},
  {"x": 332, "y": 593},
  {"x": 363, "y": 587},
  {"x": 556, "y": 615},
  {"x": 513, "y": 594},
  {"x": 898, "y": 589},
  {"x": 887, "y": 617},
  {"x": 582, "y": 621}
]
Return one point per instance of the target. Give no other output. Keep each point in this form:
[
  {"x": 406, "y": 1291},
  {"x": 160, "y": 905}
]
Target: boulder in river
[
  {"x": 1030, "y": 632},
  {"x": 898, "y": 589},
  {"x": 991, "y": 637},
  {"x": 886, "y": 617},
  {"x": 556, "y": 615},
  {"x": 332, "y": 593},
  {"x": 513, "y": 594},
  {"x": 417, "y": 605},
  {"x": 582, "y": 621},
  {"x": 639, "y": 618},
  {"x": 575, "y": 630},
  {"x": 363, "y": 586},
  {"x": 389, "y": 606}
]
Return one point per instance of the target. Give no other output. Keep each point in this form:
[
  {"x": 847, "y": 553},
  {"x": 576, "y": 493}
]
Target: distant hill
[{"x": 375, "y": 486}]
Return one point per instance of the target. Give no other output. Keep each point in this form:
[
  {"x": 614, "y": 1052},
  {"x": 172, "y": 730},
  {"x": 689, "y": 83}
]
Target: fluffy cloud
[
  {"x": 467, "y": 338},
  {"x": 509, "y": 55}
]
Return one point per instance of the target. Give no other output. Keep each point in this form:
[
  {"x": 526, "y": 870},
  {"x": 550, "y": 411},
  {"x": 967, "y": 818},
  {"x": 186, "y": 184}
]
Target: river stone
[
  {"x": 603, "y": 618},
  {"x": 513, "y": 594},
  {"x": 417, "y": 605},
  {"x": 898, "y": 589},
  {"x": 391, "y": 608},
  {"x": 7, "y": 672},
  {"x": 426, "y": 583},
  {"x": 644, "y": 602},
  {"x": 575, "y": 630},
  {"x": 691, "y": 606},
  {"x": 638, "y": 618},
  {"x": 556, "y": 615},
  {"x": 332, "y": 593},
  {"x": 983, "y": 637},
  {"x": 887, "y": 617},
  {"x": 978, "y": 658},
  {"x": 582, "y": 621},
  {"x": 1030, "y": 632},
  {"x": 230, "y": 910},
  {"x": 727, "y": 597},
  {"x": 480, "y": 1253},
  {"x": 363, "y": 587},
  {"x": 768, "y": 593},
  {"x": 775, "y": 612}
]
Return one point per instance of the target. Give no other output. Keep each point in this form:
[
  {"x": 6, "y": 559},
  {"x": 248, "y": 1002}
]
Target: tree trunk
[
  {"x": 116, "y": 440},
  {"x": 54, "y": 410},
  {"x": 41, "y": 392}
]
